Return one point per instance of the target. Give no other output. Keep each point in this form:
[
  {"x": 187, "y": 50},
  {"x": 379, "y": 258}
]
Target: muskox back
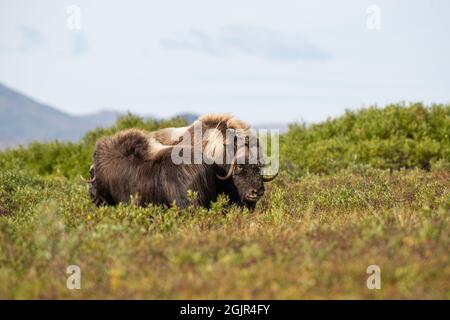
[{"x": 125, "y": 165}]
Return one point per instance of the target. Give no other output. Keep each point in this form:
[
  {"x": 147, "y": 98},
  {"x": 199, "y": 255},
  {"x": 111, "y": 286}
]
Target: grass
[{"x": 312, "y": 236}]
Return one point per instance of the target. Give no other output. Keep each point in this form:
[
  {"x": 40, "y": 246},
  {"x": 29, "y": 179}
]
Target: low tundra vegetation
[{"x": 350, "y": 195}]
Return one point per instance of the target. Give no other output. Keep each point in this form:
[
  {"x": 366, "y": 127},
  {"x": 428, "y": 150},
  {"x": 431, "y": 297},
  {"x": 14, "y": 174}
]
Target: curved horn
[
  {"x": 230, "y": 171},
  {"x": 268, "y": 179},
  {"x": 88, "y": 181}
]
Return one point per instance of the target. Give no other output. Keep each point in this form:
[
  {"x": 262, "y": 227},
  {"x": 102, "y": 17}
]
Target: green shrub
[
  {"x": 395, "y": 137},
  {"x": 398, "y": 136},
  {"x": 71, "y": 159},
  {"x": 312, "y": 238},
  {"x": 308, "y": 238}
]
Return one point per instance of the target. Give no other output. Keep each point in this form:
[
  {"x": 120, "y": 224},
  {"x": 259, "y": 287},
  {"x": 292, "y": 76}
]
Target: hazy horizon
[{"x": 262, "y": 61}]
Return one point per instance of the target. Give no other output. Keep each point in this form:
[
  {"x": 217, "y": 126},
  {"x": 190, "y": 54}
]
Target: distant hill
[{"x": 23, "y": 120}]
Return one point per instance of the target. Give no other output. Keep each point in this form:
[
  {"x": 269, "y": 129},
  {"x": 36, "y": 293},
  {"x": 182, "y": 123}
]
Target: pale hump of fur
[
  {"x": 228, "y": 120},
  {"x": 214, "y": 128},
  {"x": 214, "y": 139}
]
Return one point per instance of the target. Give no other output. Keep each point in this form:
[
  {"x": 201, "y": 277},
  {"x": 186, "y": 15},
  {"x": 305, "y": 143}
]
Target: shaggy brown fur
[
  {"x": 246, "y": 179},
  {"x": 134, "y": 162},
  {"x": 122, "y": 168}
]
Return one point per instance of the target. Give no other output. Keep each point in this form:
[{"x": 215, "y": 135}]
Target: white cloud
[
  {"x": 25, "y": 38},
  {"x": 252, "y": 41},
  {"x": 30, "y": 38},
  {"x": 261, "y": 60}
]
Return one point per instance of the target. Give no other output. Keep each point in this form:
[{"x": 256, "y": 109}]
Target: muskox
[
  {"x": 141, "y": 164},
  {"x": 241, "y": 179}
]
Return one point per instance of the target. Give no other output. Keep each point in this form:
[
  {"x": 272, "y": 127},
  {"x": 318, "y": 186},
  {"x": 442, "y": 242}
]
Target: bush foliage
[
  {"x": 70, "y": 159},
  {"x": 312, "y": 237},
  {"x": 395, "y": 137}
]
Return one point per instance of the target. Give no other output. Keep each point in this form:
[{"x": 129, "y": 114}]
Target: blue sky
[{"x": 264, "y": 61}]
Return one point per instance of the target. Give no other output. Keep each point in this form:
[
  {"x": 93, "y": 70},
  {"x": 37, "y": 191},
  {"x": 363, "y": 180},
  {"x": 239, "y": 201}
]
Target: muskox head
[{"x": 245, "y": 170}]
